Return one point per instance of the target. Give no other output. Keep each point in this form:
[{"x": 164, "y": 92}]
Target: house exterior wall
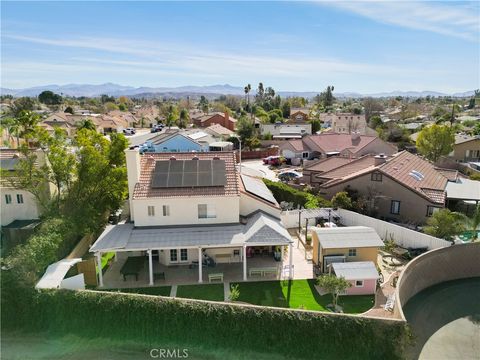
[
  {"x": 178, "y": 143},
  {"x": 467, "y": 151},
  {"x": 377, "y": 146},
  {"x": 248, "y": 204},
  {"x": 369, "y": 287},
  {"x": 28, "y": 210},
  {"x": 413, "y": 207},
  {"x": 184, "y": 211}
]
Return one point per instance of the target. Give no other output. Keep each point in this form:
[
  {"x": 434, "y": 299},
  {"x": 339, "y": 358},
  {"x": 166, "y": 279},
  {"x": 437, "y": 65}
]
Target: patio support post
[
  {"x": 290, "y": 260},
  {"x": 244, "y": 262},
  {"x": 200, "y": 265},
  {"x": 115, "y": 258},
  {"x": 150, "y": 267},
  {"x": 99, "y": 265}
]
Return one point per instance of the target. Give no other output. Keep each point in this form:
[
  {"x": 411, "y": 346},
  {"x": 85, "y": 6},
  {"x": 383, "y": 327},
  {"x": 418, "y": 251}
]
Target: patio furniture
[
  {"x": 158, "y": 275},
  {"x": 215, "y": 277},
  {"x": 390, "y": 303},
  {"x": 132, "y": 266},
  {"x": 255, "y": 271},
  {"x": 270, "y": 271}
]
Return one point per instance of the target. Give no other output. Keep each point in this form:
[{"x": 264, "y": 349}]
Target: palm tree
[
  {"x": 247, "y": 90},
  {"x": 183, "y": 119},
  {"x": 26, "y": 121},
  {"x": 86, "y": 124},
  {"x": 473, "y": 223}
]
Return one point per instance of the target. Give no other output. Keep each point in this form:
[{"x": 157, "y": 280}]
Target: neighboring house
[
  {"x": 298, "y": 115},
  {"x": 223, "y": 119},
  {"x": 403, "y": 188},
  {"x": 173, "y": 141},
  {"x": 466, "y": 148},
  {"x": 107, "y": 124},
  {"x": 185, "y": 207},
  {"x": 125, "y": 117},
  {"x": 60, "y": 120},
  {"x": 345, "y": 123},
  {"x": 344, "y": 244},
  {"x": 329, "y": 144},
  {"x": 219, "y": 131},
  {"x": 286, "y": 130},
  {"x": 362, "y": 275}
]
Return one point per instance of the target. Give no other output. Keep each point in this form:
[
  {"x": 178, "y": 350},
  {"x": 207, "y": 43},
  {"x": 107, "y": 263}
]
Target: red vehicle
[{"x": 273, "y": 160}]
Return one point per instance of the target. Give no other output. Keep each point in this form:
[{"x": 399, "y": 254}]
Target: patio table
[{"x": 132, "y": 266}]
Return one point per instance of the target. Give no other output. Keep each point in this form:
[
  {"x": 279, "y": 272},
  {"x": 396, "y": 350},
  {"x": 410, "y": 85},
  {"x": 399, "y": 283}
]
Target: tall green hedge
[
  {"x": 153, "y": 320},
  {"x": 284, "y": 192}
]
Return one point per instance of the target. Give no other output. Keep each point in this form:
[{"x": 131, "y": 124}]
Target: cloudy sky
[{"x": 299, "y": 46}]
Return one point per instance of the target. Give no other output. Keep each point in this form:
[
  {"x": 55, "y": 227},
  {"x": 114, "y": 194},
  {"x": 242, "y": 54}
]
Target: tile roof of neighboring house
[
  {"x": 352, "y": 169},
  {"x": 206, "y": 117},
  {"x": 327, "y": 164},
  {"x": 59, "y": 116},
  {"x": 331, "y": 142},
  {"x": 462, "y": 138},
  {"x": 302, "y": 110},
  {"x": 295, "y": 145},
  {"x": 144, "y": 190},
  {"x": 219, "y": 129}
]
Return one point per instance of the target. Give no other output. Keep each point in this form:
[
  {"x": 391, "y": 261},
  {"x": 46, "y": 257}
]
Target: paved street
[{"x": 257, "y": 168}]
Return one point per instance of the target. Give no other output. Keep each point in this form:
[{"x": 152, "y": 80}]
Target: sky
[{"x": 356, "y": 46}]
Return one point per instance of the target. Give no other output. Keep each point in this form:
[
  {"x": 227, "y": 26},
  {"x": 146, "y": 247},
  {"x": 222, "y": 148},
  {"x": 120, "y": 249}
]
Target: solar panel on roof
[
  {"x": 188, "y": 173},
  {"x": 258, "y": 188}
]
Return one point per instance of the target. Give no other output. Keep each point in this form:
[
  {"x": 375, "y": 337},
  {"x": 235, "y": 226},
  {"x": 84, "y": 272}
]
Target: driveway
[{"x": 258, "y": 169}]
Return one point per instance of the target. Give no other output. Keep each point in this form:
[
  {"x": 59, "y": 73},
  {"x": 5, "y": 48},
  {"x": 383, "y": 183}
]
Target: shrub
[{"x": 284, "y": 192}]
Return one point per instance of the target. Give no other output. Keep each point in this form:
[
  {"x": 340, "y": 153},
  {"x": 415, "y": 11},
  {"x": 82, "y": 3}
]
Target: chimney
[
  {"x": 132, "y": 157},
  {"x": 380, "y": 159},
  {"x": 227, "y": 118},
  {"x": 355, "y": 136}
]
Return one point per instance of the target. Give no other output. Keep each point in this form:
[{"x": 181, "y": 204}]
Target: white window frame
[
  {"x": 8, "y": 199},
  {"x": 354, "y": 251},
  {"x": 359, "y": 281},
  {"x": 173, "y": 251},
  {"x": 20, "y": 198},
  {"x": 151, "y": 210},
  {"x": 304, "y": 154},
  {"x": 210, "y": 212},
  {"x": 392, "y": 207},
  {"x": 183, "y": 251},
  {"x": 432, "y": 210},
  {"x": 166, "y": 210}
]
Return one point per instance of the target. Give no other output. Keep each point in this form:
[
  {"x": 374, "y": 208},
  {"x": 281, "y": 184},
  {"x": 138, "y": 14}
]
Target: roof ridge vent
[{"x": 172, "y": 158}]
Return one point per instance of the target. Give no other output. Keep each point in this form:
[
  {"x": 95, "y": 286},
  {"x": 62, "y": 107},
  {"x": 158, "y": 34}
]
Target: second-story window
[
  {"x": 376, "y": 176},
  {"x": 20, "y": 198},
  {"x": 151, "y": 210},
  {"x": 8, "y": 198},
  {"x": 166, "y": 210},
  {"x": 206, "y": 211}
]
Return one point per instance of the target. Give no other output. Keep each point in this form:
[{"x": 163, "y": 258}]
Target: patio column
[
  {"x": 99, "y": 265},
  {"x": 244, "y": 262},
  {"x": 290, "y": 260},
  {"x": 150, "y": 267},
  {"x": 200, "y": 265},
  {"x": 115, "y": 258}
]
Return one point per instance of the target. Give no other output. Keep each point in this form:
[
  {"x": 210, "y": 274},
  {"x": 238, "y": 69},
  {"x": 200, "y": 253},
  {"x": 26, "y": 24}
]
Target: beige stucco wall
[
  {"x": 459, "y": 151},
  {"x": 413, "y": 207},
  {"x": 248, "y": 204},
  {"x": 184, "y": 211},
  {"x": 15, "y": 211}
]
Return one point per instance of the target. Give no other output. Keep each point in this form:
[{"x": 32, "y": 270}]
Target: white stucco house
[{"x": 187, "y": 207}]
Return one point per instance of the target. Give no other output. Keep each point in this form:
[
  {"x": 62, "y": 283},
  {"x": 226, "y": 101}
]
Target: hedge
[
  {"x": 152, "y": 320},
  {"x": 284, "y": 192}
]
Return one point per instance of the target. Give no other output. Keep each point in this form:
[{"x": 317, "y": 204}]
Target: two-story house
[
  {"x": 186, "y": 207},
  {"x": 345, "y": 123}
]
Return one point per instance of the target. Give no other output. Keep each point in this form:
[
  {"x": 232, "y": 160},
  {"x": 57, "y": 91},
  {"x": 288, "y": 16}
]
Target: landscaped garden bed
[
  {"x": 212, "y": 292},
  {"x": 299, "y": 294}
]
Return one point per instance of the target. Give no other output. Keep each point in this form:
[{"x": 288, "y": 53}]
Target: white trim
[{"x": 363, "y": 283}]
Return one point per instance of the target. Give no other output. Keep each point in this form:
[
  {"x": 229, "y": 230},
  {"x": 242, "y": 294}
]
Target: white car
[{"x": 129, "y": 131}]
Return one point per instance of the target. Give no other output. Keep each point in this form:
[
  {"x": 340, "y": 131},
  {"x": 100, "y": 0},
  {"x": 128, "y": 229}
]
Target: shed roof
[
  {"x": 464, "y": 189},
  {"x": 348, "y": 237},
  {"x": 357, "y": 270}
]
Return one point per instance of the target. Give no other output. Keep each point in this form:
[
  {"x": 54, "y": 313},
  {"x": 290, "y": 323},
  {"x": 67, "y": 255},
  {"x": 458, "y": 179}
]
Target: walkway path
[
  {"x": 173, "y": 291},
  {"x": 226, "y": 291},
  {"x": 381, "y": 296},
  {"x": 303, "y": 269}
]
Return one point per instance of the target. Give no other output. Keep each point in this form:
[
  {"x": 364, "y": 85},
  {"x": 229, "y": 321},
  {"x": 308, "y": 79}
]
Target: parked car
[
  {"x": 129, "y": 131},
  {"x": 115, "y": 217},
  {"x": 289, "y": 175},
  {"x": 273, "y": 160},
  {"x": 156, "y": 128}
]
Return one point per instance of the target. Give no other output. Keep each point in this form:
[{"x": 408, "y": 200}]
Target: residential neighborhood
[{"x": 165, "y": 195}]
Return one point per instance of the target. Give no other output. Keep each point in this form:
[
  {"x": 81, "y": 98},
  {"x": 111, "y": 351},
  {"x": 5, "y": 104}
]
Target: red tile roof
[
  {"x": 144, "y": 190},
  {"x": 330, "y": 142},
  {"x": 327, "y": 164}
]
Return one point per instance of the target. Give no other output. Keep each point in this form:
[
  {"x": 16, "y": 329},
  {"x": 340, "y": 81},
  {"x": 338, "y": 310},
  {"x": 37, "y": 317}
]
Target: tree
[
  {"x": 327, "y": 96},
  {"x": 435, "y": 141},
  {"x": 48, "y": 97},
  {"x": 445, "y": 224},
  {"x": 371, "y": 107},
  {"x": 473, "y": 223},
  {"x": 342, "y": 200},
  {"x": 183, "y": 119},
  {"x": 334, "y": 285},
  {"x": 247, "y": 90},
  {"x": 203, "y": 104},
  {"x": 245, "y": 129},
  {"x": 86, "y": 124},
  {"x": 375, "y": 121},
  {"x": 68, "y": 110},
  {"x": 110, "y": 106}
]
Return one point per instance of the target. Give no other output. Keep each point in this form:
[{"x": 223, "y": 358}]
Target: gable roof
[
  {"x": 170, "y": 134},
  {"x": 347, "y": 237},
  {"x": 462, "y": 138},
  {"x": 332, "y": 142},
  {"x": 356, "y": 270},
  {"x": 327, "y": 164},
  {"x": 143, "y": 189},
  {"x": 219, "y": 130}
]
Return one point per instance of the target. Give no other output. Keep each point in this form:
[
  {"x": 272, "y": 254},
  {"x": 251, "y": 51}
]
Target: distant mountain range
[{"x": 211, "y": 90}]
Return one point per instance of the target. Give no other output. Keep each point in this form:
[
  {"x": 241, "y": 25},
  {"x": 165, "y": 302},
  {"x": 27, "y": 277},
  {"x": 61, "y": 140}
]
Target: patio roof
[
  {"x": 463, "y": 189},
  {"x": 261, "y": 229}
]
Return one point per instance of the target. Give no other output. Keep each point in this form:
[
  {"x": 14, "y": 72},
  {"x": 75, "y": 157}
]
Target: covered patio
[{"x": 171, "y": 255}]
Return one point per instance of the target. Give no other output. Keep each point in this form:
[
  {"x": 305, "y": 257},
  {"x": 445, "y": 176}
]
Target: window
[
  {"x": 358, "y": 283},
  {"x": 431, "y": 210},
  {"x": 305, "y": 154},
  {"x": 173, "y": 255},
  {"x": 395, "y": 207},
  {"x": 8, "y": 198},
  {"x": 183, "y": 255},
  {"x": 206, "y": 211},
  {"x": 166, "y": 210},
  {"x": 151, "y": 211},
  {"x": 20, "y": 198},
  {"x": 376, "y": 176},
  {"x": 352, "y": 252}
]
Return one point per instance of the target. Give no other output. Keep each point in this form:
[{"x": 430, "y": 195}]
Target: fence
[
  {"x": 246, "y": 155},
  {"x": 402, "y": 236},
  {"x": 290, "y": 217}
]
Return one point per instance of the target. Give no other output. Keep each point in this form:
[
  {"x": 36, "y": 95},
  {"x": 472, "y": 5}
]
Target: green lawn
[
  {"x": 159, "y": 290},
  {"x": 298, "y": 294},
  {"x": 212, "y": 292}
]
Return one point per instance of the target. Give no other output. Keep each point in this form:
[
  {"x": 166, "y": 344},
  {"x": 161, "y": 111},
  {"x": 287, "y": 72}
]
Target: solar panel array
[{"x": 189, "y": 173}]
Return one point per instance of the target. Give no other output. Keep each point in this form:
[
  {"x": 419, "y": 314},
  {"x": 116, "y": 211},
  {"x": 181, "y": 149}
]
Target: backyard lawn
[
  {"x": 298, "y": 294},
  {"x": 212, "y": 292},
  {"x": 160, "y": 290}
]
